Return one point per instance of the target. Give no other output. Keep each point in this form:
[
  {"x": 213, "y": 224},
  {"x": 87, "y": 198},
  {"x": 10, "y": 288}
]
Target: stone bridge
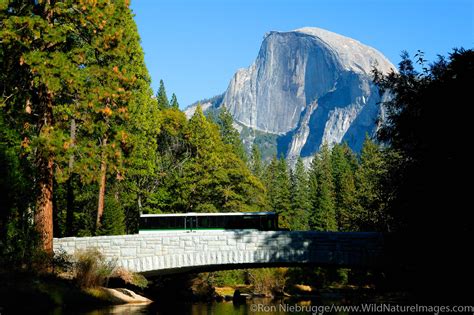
[{"x": 197, "y": 251}]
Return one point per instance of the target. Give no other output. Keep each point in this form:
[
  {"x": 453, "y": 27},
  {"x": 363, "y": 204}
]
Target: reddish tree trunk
[
  {"x": 44, "y": 164},
  {"x": 103, "y": 173},
  {"x": 44, "y": 204}
]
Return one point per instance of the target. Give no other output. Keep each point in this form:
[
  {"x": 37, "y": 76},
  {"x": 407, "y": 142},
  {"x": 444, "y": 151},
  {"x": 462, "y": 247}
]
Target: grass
[
  {"x": 92, "y": 269},
  {"x": 223, "y": 291}
]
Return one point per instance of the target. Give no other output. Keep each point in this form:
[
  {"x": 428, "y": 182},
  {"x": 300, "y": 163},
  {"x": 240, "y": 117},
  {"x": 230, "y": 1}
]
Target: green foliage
[
  {"x": 268, "y": 280},
  {"x": 323, "y": 198},
  {"x": 62, "y": 262},
  {"x": 139, "y": 280},
  {"x": 161, "y": 97},
  {"x": 278, "y": 184},
  {"x": 39, "y": 61},
  {"x": 113, "y": 220},
  {"x": 300, "y": 200},
  {"x": 132, "y": 278},
  {"x": 370, "y": 211},
  {"x": 19, "y": 245},
  {"x": 349, "y": 193},
  {"x": 267, "y": 144},
  {"x": 255, "y": 162},
  {"x": 282, "y": 198},
  {"x": 344, "y": 164},
  {"x": 230, "y": 136},
  {"x": 195, "y": 170},
  {"x": 85, "y": 204},
  {"x": 320, "y": 277},
  {"x": 174, "y": 102},
  {"x": 214, "y": 178},
  {"x": 17, "y": 236},
  {"x": 228, "y": 277},
  {"x": 76, "y": 95},
  {"x": 338, "y": 193}
]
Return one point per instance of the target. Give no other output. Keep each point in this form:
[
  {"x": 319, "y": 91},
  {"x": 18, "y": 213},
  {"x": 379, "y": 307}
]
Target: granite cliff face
[{"x": 307, "y": 87}]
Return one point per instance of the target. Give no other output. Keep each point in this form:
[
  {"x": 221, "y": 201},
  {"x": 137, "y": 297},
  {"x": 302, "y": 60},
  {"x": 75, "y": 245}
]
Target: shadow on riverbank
[{"x": 26, "y": 292}]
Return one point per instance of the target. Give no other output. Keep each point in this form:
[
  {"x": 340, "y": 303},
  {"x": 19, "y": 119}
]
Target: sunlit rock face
[{"x": 308, "y": 86}]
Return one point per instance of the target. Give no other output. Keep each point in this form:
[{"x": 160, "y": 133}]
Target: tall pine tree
[
  {"x": 371, "y": 200},
  {"x": 215, "y": 178},
  {"x": 301, "y": 204},
  {"x": 229, "y": 134},
  {"x": 174, "y": 102},
  {"x": 115, "y": 81},
  {"x": 256, "y": 165},
  {"x": 323, "y": 216},
  {"x": 139, "y": 138},
  {"x": 277, "y": 180},
  {"x": 161, "y": 97},
  {"x": 41, "y": 58},
  {"x": 75, "y": 65},
  {"x": 343, "y": 168}
]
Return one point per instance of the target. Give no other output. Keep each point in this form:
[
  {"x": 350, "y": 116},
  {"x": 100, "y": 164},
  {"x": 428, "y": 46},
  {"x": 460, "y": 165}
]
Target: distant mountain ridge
[
  {"x": 207, "y": 103},
  {"x": 306, "y": 87}
]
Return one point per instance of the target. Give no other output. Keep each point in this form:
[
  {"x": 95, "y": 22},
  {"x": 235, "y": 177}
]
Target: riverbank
[
  {"x": 304, "y": 292},
  {"x": 41, "y": 293},
  {"x": 200, "y": 289},
  {"x": 274, "y": 284}
]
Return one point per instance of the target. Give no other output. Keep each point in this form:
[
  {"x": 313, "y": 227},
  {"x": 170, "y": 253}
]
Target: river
[{"x": 257, "y": 306}]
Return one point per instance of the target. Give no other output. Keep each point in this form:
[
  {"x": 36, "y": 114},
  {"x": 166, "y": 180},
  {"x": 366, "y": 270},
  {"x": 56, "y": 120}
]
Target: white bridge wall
[{"x": 167, "y": 252}]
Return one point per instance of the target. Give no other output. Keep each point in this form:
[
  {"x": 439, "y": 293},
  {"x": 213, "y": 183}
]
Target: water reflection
[
  {"x": 122, "y": 309},
  {"x": 255, "y": 306}
]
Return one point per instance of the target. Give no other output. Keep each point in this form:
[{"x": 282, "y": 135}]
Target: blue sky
[{"x": 196, "y": 46}]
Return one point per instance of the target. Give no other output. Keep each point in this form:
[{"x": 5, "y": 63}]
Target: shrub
[
  {"x": 92, "y": 269},
  {"x": 62, "y": 262},
  {"x": 113, "y": 219},
  {"x": 227, "y": 277},
  {"x": 132, "y": 278},
  {"x": 268, "y": 280}
]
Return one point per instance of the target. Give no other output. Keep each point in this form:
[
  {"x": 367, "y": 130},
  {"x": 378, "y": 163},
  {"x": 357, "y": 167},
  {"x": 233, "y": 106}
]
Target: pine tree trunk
[
  {"x": 44, "y": 204},
  {"x": 56, "y": 226},
  {"x": 43, "y": 216},
  {"x": 102, "y": 180},
  {"x": 139, "y": 204},
  {"x": 44, "y": 163}
]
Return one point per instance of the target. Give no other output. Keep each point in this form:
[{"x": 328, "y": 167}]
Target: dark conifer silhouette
[{"x": 428, "y": 126}]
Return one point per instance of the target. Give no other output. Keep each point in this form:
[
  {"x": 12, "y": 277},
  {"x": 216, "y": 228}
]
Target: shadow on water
[
  {"x": 255, "y": 306},
  {"x": 168, "y": 308},
  {"x": 258, "y": 306}
]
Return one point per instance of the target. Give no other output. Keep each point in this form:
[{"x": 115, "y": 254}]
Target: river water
[{"x": 256, "y": 306}]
